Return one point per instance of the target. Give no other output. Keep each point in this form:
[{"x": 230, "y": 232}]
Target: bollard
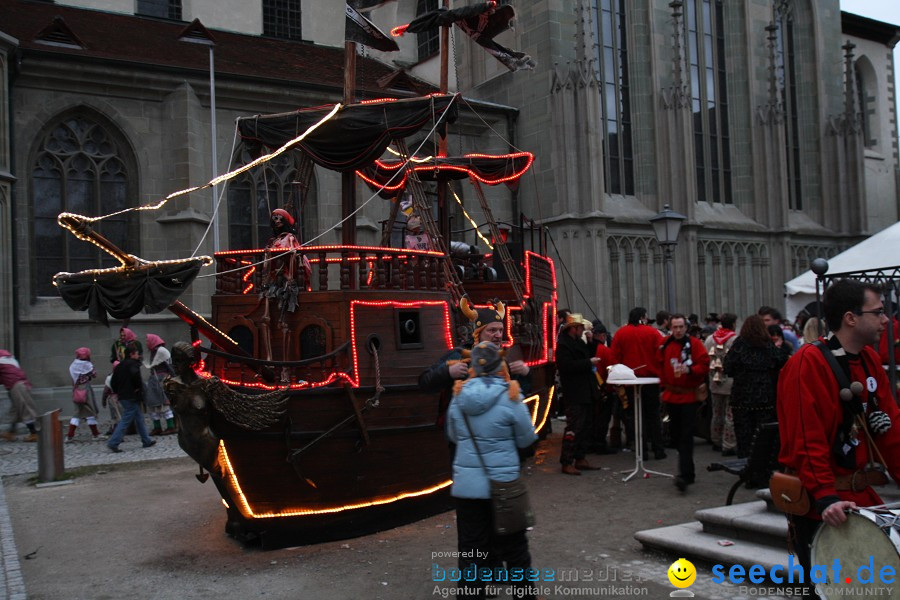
[{"x": 50, "y": 448}]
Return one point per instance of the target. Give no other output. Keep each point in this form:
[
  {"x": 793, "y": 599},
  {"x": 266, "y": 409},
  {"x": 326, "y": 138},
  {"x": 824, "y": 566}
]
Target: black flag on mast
[
  {"x": 481, "y": 22},
  {"x": 359, "y": 29}
]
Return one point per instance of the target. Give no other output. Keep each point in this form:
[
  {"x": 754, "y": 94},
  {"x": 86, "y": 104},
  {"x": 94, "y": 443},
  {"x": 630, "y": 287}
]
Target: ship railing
[
  {"x": 332, "y": 268},
  {"x": 310, "y": 371}
]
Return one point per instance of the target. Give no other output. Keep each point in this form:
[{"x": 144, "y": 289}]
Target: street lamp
[
  {"x": 666, "y": 226},
  {"x": 196, "y": 33}
]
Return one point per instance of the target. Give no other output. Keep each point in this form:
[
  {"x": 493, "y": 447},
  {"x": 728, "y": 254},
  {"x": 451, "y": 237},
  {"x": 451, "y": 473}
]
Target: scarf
[
  {"x": 685, "y": 342},
  {"x": 720, "y": 336},
  {"x": 79, "y": 368}
]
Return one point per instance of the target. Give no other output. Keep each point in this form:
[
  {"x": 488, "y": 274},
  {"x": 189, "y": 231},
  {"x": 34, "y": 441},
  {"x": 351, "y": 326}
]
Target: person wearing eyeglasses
[{"x": 839, "y": 443}]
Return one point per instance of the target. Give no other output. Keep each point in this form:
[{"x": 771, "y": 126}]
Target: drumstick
[{"x": 865, "y": 428}]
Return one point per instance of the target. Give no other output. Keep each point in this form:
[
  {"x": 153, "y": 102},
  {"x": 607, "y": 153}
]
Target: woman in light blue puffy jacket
[{"x": 501, "y": 424}]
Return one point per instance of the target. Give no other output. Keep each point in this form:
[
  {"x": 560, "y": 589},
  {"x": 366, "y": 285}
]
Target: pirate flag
[
  {"x": 481, "y": 22},
  {"x": 359, "y": 29}
]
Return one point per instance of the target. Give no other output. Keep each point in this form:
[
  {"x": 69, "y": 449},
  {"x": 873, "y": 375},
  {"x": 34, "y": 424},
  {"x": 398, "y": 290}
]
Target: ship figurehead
[{"x": 193, "y": 399}]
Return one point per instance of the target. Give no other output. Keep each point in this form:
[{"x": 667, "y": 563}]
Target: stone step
[
  {"x": 750, "y": 521},
  {"x": 754, "y": 533},
  {"x": 688, "y": 540}
]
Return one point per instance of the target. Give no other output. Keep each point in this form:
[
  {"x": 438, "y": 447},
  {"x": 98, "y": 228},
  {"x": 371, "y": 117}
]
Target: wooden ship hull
[
  {"x": 340, "y": 464},
  {"x": 344, "y": 332}
]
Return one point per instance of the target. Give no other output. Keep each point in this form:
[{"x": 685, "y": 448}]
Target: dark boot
[
  {"x": 570, "y": 470},
  {"x": 583, "y": 465}
]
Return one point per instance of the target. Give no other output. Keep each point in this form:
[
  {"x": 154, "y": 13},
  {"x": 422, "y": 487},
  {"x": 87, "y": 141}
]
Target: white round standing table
[{"x": 637, "y": 383}]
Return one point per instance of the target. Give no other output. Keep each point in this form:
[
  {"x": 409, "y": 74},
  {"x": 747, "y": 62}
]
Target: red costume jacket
[
  {"x": 809, "y": 415},
  {"x": 635, "y": 346},
  {"x": 680, "y": 389}
]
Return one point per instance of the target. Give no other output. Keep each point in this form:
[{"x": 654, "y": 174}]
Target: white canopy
[{"x": 879, "y": 251}]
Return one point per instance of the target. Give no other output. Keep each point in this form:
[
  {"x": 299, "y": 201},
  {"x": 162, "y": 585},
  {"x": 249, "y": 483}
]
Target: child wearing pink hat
[
  {"x": 155, "y": 398},
  {"x": 83, "y": 372}
]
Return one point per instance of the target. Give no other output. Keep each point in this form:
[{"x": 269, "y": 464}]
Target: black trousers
[
  {"x": 801, "y": 532},
  {"x": 578, "y": 432},
  {"x": 650, "y": 414},
  {"x": 747, "y": 421},
  {"x": 476, "y": 537},
  {"x": 602, "y": 415},
  {"x": 681, "y": 424}
]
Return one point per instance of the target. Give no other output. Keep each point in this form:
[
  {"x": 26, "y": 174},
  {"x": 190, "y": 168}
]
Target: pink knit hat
[
  {"x": 154, "y": 341},
  {"x": 83, "y": 354}
]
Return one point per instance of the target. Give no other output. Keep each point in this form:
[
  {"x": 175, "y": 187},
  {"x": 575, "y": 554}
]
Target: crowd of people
[
  {"x": 839, "y": 442},
  {"x": 832, "y": 432},
  {"x": 125, "y": 392},
  {"x": 729, "y": 372},
  {"x": 728, "y": 366}
]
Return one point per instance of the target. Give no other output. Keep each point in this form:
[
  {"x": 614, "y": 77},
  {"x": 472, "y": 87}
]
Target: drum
[{"x": 869, "y": 534}]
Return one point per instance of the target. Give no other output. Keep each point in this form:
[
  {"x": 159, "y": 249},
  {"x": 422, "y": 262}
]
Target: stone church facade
[
  {"x": 103, "y": 109},
  {"x": 752, "y": 118},
  {"x": 748, "y": 117}
]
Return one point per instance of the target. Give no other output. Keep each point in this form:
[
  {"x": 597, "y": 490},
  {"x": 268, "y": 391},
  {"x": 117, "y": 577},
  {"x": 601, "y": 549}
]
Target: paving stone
[{"x": 21, "y": 458}]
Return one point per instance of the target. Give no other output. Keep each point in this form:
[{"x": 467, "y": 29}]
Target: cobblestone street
[
  {"x": 21, "y": 458},
  {"x": 166, "y": 532}
]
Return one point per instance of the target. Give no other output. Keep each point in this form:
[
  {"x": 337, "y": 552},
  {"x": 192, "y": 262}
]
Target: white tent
[{"x": 879, "y": 251}]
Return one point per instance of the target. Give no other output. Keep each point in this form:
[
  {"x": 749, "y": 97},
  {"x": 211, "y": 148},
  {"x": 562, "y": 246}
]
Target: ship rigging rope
[
  {"x": 572, "y": 279},
  {"x": 221, "y": 178},
  {"x": 372, "y": 402},
  {"x": 389, "y": 181},
  {"x": 215, "y": 214},
  {"x": 408, "y": 158},
  {"x": 537, "y": 189}
]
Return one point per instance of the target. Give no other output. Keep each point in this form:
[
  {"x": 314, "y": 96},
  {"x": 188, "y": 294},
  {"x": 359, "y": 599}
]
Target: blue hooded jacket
[{"x": 500, "y": 426}]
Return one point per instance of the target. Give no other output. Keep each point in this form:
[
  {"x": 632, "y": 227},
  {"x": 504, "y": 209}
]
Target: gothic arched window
[
  {"x": 255, "y": 194},
  {"x": 786, "y": 77},
  {"x": 82, "y": 165},
  {"x": 705, "y": 24},
  {"x": 867, "y": 100},
  {"x": 610, "y": 31}
]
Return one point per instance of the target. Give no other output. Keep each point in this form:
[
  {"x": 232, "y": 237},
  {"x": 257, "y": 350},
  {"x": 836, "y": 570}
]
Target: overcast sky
[{"x": 874, "y": 9}]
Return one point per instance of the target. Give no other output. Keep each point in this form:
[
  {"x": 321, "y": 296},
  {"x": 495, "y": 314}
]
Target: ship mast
[
  {"x": 443, "y": 209},
  {"x": 348, "y": 178}
]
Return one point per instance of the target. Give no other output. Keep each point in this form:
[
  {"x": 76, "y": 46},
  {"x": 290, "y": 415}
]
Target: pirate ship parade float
[{"x": 305, "y": 409}]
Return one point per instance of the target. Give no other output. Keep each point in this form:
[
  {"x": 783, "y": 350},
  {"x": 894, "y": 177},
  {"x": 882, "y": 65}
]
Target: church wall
[{"x": 730, "y": 256}]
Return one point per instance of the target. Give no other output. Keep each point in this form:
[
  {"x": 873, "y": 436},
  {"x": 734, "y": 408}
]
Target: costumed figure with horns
[{"x": 487, "y": 324}]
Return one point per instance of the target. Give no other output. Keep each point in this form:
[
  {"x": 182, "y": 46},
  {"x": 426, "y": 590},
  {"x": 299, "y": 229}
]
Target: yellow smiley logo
[{"x": 682, "y": 573}]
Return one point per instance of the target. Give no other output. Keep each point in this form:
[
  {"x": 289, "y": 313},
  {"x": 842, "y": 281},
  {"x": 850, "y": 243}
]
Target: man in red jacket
[
  {"x": 826, "y": 441},
  {"x": 683, "y": 364},
  {"x": 635, "y": 346}
]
